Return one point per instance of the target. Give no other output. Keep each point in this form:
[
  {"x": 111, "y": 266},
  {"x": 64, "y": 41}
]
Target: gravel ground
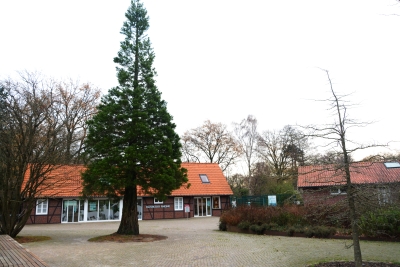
[{"x": 192, "y": 242}]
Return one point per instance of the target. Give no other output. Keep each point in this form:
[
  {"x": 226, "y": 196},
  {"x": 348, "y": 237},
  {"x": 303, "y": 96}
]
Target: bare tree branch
[{"x": 211, "y": 142}]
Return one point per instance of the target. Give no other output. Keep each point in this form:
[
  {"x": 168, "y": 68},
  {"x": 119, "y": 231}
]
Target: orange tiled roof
[
  {"x": 62, "y": 181},
  {"x": 218, "y": 184},
  {"x": 361, "y": 173},
  {"x": 66, "y": 181}
]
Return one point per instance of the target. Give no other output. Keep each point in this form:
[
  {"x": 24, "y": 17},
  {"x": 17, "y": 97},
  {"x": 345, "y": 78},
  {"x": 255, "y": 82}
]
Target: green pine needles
[{"x": 131, "y": 141}]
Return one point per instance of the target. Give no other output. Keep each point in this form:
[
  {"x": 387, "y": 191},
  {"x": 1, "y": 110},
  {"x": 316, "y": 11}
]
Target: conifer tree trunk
[{"x": 129, "y": 223}]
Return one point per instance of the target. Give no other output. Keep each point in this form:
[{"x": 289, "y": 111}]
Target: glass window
[
  {"x": 384, "y": 195},
  {"x": 93, "y": 210},
  {"x": 204, "y": 178},
  {"x": 390, "y": 165},
  {"x": 178, "y": 203},
  {"x": 104, "y": 210},
  {"x": 208, "y": 200},
  {"x": 81, "y": 210},
  {"x": 216, "y": 203},
  {"x": 338, "y": 191},
  {"x": 139, "y": 208},
  {"x": 70, "y": 211},
  {"x": 42, "y": 206},
  {"x": 97, "y": 209},
  {"x": 114, "y": 210},
  {"x": 157, "y": 201}
]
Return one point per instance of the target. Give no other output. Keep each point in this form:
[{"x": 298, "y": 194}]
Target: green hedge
[{"x": 381, "y": 223}]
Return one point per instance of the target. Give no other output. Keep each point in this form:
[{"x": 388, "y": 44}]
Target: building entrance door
[
  {"x": 71, "y": 211},
  {"x": 202, "y": 206}
]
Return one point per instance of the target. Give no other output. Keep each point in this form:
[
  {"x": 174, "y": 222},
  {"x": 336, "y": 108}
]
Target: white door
[
  {"x": 71, "y": 211},
  {"x": 202, "y": 206}
]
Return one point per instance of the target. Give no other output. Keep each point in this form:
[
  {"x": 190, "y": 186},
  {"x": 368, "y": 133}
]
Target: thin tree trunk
[
  {"x": 352, "y": 206},
  {"x": 355, "y": 230},
  {"x": 350, "y": 189}
]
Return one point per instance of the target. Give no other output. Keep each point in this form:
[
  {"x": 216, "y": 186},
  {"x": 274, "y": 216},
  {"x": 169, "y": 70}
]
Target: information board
[
  {"x": 272, "y": 200},
  {"x": 187, "y": 208}
]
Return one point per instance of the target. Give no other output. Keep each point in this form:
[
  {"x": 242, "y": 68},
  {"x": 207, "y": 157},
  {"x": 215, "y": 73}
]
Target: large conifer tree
[{"x": 132, "y": 142}]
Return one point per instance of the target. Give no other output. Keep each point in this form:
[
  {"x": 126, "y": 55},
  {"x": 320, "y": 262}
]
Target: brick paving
[{"x": 191, "y": 242}]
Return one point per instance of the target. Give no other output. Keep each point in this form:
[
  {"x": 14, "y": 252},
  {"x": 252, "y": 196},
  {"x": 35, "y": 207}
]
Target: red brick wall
[
  {"x": 170, "y": 213},
  {"x": 320, "y": 196},
  {"x": 164, "y": 212},
  {"x": 225, "y": 204},
  {"x": 53, "y": 214}
]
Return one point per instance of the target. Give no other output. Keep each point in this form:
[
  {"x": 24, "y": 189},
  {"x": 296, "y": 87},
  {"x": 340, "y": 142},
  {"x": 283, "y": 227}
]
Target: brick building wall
[
  {"x": 53, "y": 214},
  {"x": 151, "y": 211}
]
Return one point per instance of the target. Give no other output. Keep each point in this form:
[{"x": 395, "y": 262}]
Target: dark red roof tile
[{"x": 360, "y": 173}]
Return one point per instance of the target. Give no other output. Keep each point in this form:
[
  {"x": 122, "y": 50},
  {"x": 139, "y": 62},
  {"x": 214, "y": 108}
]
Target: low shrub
[
  {"x": 344, "y": 231},
  {"x": 258, "y": 229},
  {"x": 319, "y": 231},
  {"x": 291, "y": 231},
  {"x": 266, "y": 226},
  {"x": 274, "y": 227},
  {"x": 309, "y": 232},
  {"x": 244, "y": 225},
  {"x": 286, "y": 215},
  {"x": 312, "y": 220},
  {"x": 323, "y": 231},
  {"x": 231, "y": 217},
  {"x": 319, "y": 220},
  {"x": 299, "y": 228},
  {"x": 222, "y": 226}
]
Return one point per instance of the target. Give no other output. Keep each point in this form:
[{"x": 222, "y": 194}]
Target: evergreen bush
[
  {"x": 383, "y": 222},
  {"x": 244, "y": 225}
]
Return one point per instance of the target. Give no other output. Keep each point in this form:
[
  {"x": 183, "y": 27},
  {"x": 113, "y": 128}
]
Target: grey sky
[{"x": 223, "y": 60}]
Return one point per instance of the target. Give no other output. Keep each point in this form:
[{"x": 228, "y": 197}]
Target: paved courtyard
[{"x": 191, "y": 242}]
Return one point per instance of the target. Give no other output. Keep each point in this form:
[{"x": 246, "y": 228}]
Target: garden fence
[{"x": 262, "y": 200}]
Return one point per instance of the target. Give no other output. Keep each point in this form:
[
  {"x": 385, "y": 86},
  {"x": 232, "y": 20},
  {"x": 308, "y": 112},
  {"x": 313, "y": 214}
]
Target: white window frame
[
  {"x": 219, "y": 202},
  {"x": 178, "y": 203},
  {"x": 156, "y": 201},
  {"x": 390, "y": 165},
  {"x": 41, "y": 205},
  {"x": 204, "y": 178},
  {"x": 337, "y": 191},
  {"x": 384, "y": 195}
]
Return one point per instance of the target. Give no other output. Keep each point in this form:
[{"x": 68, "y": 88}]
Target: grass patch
[
  {"x": 28, "y": 239},
  {"x": 127, "y": 238}
]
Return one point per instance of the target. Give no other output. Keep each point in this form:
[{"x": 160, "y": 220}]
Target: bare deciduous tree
[
  {"x": 383, "y": 157},
  {"x": 29, "y": 142},
  {"x": 211, "y": 142},
  {"x": 330, "y": 157},
  {"x": 32, "y": 144},
  {"x": 77, "y": 104},
  {"x": 283, "y": 150},
  {"x": 247, "y": 136},
  {"x": 341, "y": 149}
]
